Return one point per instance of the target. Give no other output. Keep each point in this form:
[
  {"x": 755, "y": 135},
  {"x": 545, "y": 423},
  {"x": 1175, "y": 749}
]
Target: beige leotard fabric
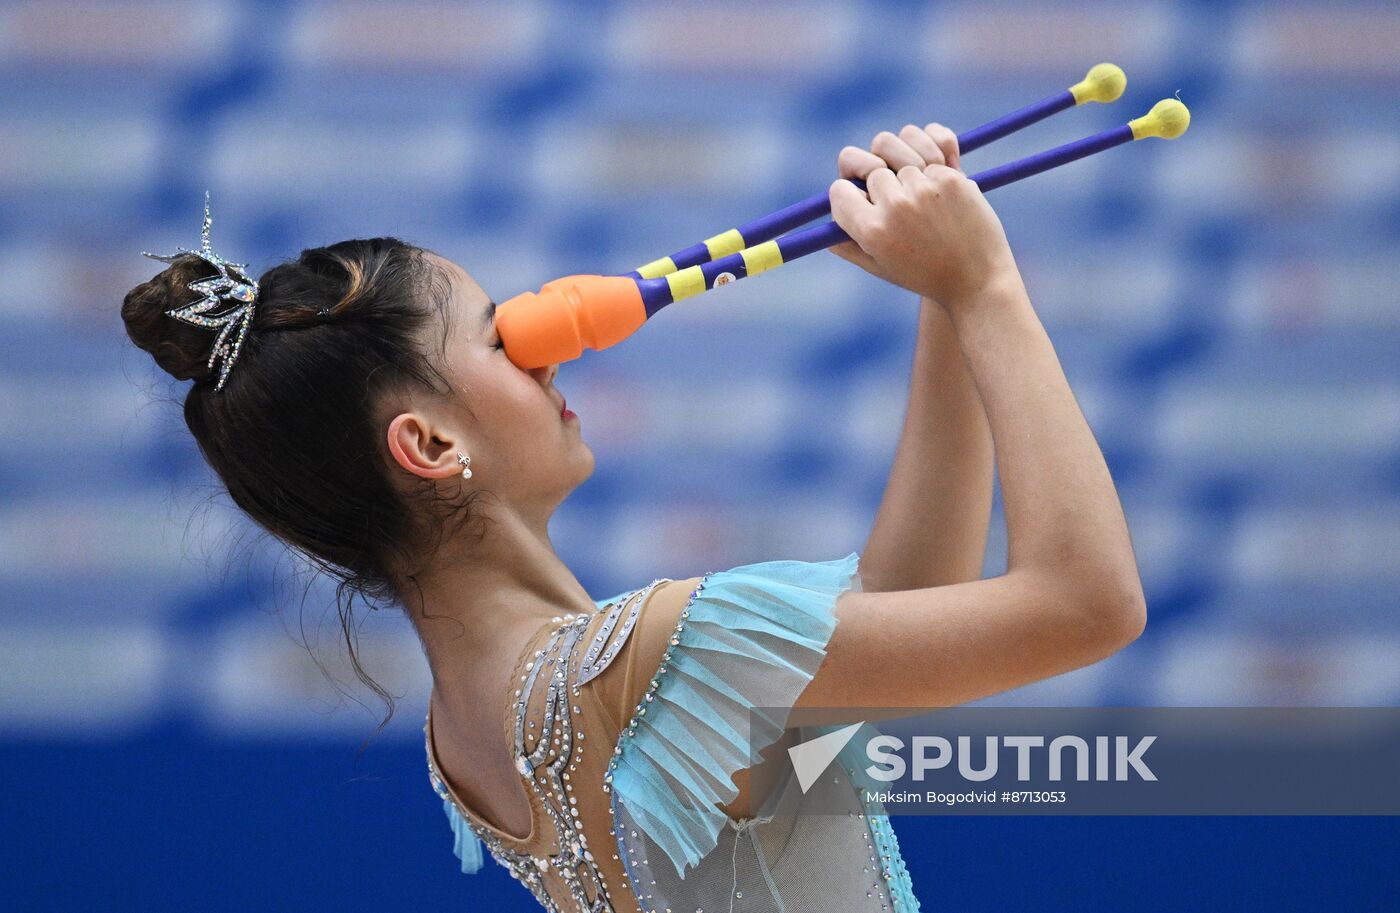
[{"x": 628, "y": 725}]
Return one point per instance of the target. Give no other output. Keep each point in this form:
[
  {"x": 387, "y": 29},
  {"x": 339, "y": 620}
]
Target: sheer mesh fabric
[{"x": 812, "y": 853}]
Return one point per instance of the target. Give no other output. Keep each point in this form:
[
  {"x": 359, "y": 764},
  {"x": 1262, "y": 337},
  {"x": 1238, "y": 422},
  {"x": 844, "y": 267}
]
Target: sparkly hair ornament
[{"x": 233, "y": 285}]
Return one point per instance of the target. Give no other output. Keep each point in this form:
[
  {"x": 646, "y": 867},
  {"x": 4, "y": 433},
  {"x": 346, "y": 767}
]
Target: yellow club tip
[
  {"x": 1168, "y": 119},
  {"x": 1103, "y": 83}
]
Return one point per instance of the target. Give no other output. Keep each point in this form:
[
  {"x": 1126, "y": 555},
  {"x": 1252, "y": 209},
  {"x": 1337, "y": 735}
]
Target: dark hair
[{"x": 293, "y": 433}]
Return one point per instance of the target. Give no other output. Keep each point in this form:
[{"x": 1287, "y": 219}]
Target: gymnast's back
[{"x": 629, "y": 726}]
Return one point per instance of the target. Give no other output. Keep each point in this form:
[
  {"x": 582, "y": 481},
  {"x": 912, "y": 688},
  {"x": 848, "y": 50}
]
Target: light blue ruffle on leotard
[
  {"x": 465, "y": 844},
  {"x": 752, "y": 639}
]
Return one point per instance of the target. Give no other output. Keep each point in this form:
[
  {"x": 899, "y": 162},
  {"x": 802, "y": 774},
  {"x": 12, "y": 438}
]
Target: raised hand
[{"x": 923, "y": 226}]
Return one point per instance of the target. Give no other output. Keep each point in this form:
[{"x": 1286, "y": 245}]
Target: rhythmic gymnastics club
[
  {"x": 1103, "y": 83},
  {"x": 572, "y": 313}
]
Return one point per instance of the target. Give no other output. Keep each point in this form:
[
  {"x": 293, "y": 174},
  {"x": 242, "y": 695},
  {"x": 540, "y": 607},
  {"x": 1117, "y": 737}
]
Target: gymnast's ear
[{"x": 419, "y": 447}]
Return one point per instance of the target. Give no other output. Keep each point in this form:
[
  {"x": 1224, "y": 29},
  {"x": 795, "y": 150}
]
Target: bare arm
[
  {"x": 1071, "y": 594},
  {"x": 931, "y": 527}
]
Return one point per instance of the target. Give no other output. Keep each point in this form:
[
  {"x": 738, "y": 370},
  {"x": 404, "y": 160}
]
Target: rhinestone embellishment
[
  {"x": 605, "y": 645},
  {"x": 545, "y": 708},
  {"x": 231, "y": 284},
  {"x": 630, "y": 728}
]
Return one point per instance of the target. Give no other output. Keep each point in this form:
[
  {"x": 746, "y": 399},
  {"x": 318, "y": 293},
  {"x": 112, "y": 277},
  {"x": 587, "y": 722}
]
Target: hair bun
[{"x": 182, "y": 350}]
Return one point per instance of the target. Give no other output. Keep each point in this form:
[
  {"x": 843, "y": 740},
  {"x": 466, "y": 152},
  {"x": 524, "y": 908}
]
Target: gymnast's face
[{"x": 506, "y": 418}]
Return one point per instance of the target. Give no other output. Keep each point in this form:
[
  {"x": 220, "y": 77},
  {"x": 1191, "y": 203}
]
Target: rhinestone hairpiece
[{"x": 232, "y": 284}]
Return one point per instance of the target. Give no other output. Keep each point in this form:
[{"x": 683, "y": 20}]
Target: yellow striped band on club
[
  {"x": 761, "y": 257},
  {"x": 657, "y": 268},
  {"x": 686, "y": 282},
  {"x": 724, "y": 244}
]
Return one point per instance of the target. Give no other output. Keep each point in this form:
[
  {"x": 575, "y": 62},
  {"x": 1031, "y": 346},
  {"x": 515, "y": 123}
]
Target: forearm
[
  {"x": 931, "y": 527},
  {"x": 1062, "y": 510}
]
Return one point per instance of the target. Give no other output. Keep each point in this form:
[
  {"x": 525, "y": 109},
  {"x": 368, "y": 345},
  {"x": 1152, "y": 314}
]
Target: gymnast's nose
[{"x": 546, "y": 374}]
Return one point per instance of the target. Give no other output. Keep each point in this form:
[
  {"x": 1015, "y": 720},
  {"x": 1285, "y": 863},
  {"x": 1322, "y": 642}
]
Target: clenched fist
[{"x": 923, "y": 226}]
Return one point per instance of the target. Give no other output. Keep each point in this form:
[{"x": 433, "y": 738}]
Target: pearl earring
[{"x": 465, "y": 461}]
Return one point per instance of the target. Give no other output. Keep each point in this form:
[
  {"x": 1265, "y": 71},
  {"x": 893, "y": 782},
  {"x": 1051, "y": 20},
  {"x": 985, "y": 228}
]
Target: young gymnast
[{"x": 600, "y": 749}]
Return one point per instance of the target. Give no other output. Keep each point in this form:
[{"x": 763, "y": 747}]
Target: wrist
[{"x": 993, "y": 284}]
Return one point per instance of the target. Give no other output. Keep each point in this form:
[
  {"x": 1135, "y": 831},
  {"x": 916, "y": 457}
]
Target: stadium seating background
[{"x": 1225, "y": 306}]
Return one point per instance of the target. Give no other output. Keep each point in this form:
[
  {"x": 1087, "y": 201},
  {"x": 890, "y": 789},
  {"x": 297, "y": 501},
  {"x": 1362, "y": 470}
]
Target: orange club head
[{"x": 567, "y": 316}]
